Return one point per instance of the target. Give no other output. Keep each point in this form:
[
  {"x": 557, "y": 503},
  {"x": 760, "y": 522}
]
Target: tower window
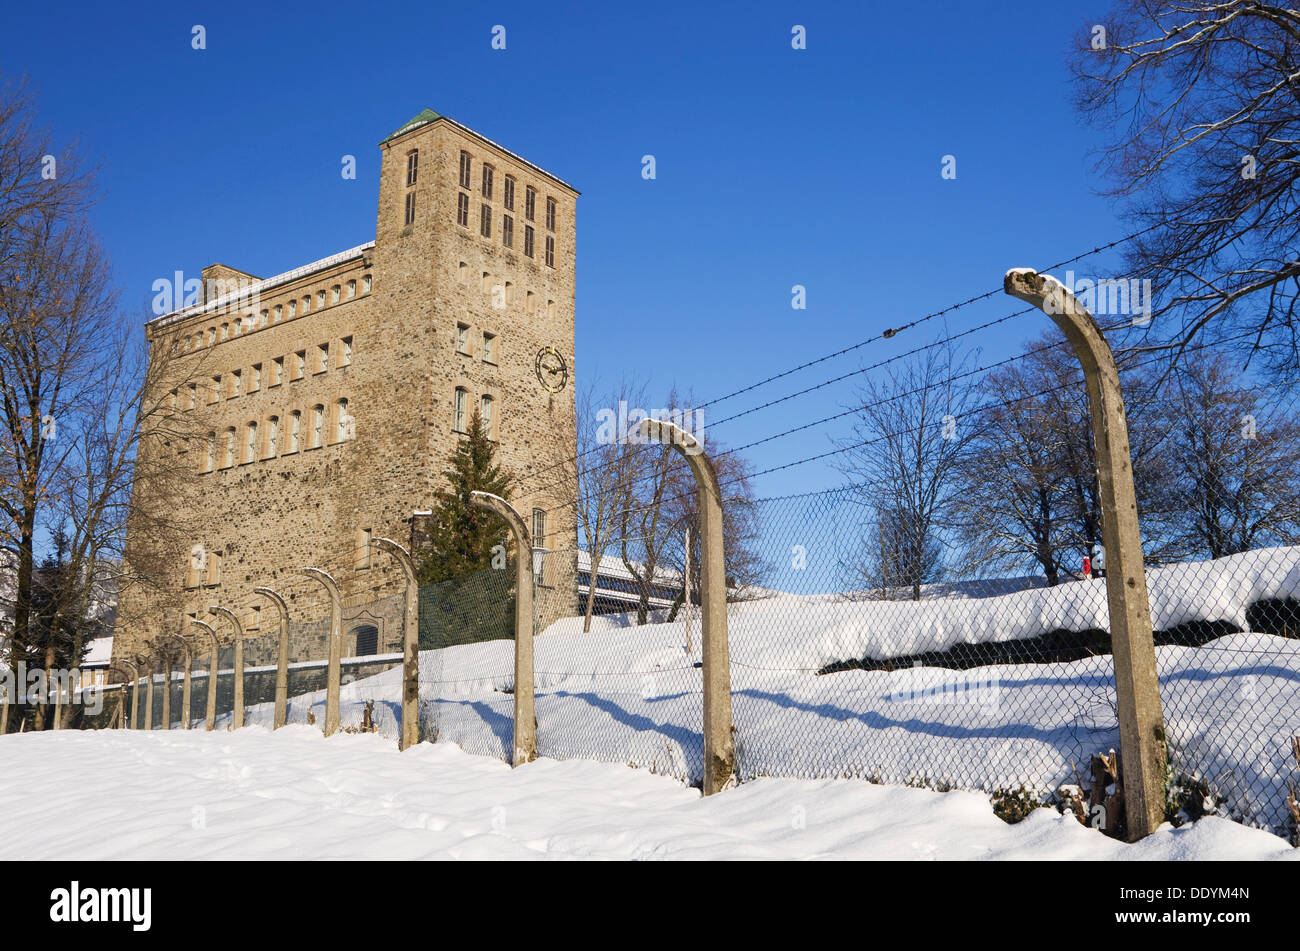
[
  {"x": 272, "y": 436},
  {"x": 230, "y": 448},
  {"x": 277, "y": 371},
  {"x": 507, "y": 231},
  {"x": 530, "y": 202},
  {"x": 342, "y": 421},
  {"x": 352, "y": 289},
  {"x": 487, "y": 180},
  {"x": 255, "y": 380},
  {"x": 410, "y": 208},
  {"x": 279, "y": 312},
  {"x": 489, "y": 348},
  {"x": 458, "y": 410},
  {"x": 550, "y": 250},
  {"x": 250, "y": 442},
  {"x": 550, "y": 214},
  {"x": 462, "y": 338},
  {"x": 346, "y": 357},
  {"x": 295, "y": 430},
  {"x": 465, "y": 164},
  {"x": 317, "y": 425},
  {"x": 462, "y": 210},
  {"x": 293, "y": 309},
  {"x": 485, "y": 221},
  {"x": 485, "y": 414},
  {"x": 365, "y": 284},
  {"x": 412, "y": 166},
  {"x": 322, "y": 358},
  {"x": 462, "y": 273},
  {"x": 334, "y": 294},
  {"x": 528, "y": 240},
  {"x": 508, "y": 193}
]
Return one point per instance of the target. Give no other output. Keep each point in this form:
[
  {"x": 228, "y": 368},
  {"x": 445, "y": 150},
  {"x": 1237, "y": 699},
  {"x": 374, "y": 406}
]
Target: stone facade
[{"x": 311, "y": 411}]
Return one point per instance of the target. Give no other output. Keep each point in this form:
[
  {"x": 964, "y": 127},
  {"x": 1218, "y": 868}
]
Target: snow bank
[{"x": 253, "y": 795}]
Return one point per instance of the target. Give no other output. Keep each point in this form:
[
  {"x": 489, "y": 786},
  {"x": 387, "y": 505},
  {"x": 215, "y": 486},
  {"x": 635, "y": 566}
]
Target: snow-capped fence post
[
  {"x": 525, "y": 738},
  {"x": 719, "y": 747},
  {"x": 185, "y": 687},
  {"x": 211, "y": 700},
  {"x": 336, "y": 647},
  {"x": 237, "y": 713},
  {"x": 410, "y": 734},
  {"x": 281, "y": 659},
  {"x": 1141, "y": 722}
]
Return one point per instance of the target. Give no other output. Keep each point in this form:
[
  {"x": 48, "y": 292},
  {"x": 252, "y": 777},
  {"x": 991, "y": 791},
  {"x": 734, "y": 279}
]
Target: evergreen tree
[{"x": 462, "y": 536}]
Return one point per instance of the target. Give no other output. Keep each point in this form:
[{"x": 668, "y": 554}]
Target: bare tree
[
  {"x": 905, "y": 454},
  {"x": 1202, "y": 102}
]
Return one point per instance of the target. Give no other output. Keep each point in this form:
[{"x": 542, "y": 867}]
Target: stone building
[{"x": 305, "y": 413}]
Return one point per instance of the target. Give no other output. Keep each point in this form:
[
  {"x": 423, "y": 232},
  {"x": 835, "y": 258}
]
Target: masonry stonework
[{"x": 311, "y": 411}]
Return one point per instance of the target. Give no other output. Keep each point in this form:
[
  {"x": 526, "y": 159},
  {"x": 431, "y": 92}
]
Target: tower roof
[{"x": 423, "y": 117}]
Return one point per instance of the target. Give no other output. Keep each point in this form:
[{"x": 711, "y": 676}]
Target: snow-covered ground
[
  {"x": 632, "y": 695},
  {"x": 252, "y": 794}
]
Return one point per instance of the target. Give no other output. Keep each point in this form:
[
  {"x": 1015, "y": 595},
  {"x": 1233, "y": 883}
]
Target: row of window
[
  {"x": 508, "y": 191},
  {"x": 505, "y": 291},
  {"x": 300, "y": 364},
  {"x": 266, "y": 440},
  {"x": 247, "y": 324},
  {"x": 507, "y": 229}
]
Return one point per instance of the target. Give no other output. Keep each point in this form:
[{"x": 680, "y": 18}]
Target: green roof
[{"x": 423, "y": 117}]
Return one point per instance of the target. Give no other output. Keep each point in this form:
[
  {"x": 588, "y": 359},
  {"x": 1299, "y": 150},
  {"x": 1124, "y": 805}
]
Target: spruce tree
[{"x": 461, "y": 536}]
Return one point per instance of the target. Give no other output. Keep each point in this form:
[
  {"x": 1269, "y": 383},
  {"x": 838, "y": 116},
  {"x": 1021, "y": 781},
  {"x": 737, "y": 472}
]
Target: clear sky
[{"x": 774, "y": 166}]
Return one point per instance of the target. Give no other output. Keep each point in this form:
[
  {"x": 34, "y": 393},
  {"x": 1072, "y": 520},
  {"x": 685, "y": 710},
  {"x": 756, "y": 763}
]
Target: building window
[
  {"x": 214, "y": 568},
  {"x": 306, "y": 304},
  {"x": 342, "y": 421},
  {"x": 299, "y": 365},
  {"x": 262, "y": 322},
  {"x": 539, "y": 541},
  {"x": 489, "y": 348},
  {"x": 507, "y": 231},
  {"x": 362, "y": 549},
  {"x": 317, "y": 425},
  {"x": 487, "y": 181},
  {"x": 193, "y": 399},
  {"x": 293, "y": 309},
  {"x": 530, "y": 202},
  {"x": 485, "y": 414},
  {"x": 346, "y": 357},
  {"x": 365, "y": 284},
  {"x": 272, "y": 437},
  {"x": 212, "y": 336},
  {"x": 334, "y": 294},
  {"x": 550, "y": 310},
  {"x": 462, "y": 273},
  {"x": 410, "y": 209},
  {"x": 255, "y": 381},
  {"x": 320, "y": 299},
  {"x": 352, "y": 289},
  {"x": 509, "y": 293},
  {"x": 214, "y": 395},
  {"x": 485, "y": 221},
  {"x": 528, "y": 240},
  {"x": 295, "y": 430},
  {"x": 277, "y": 371},
  {"x": 250, "y": 442},
  {"x": 225, "y": 331},
  {"x": 458, "y": 410},
  {"x": 550, "y": 214},
  {"x": 211, "y": 462},
  {"x": 465, "y": 163},
  {"x": 230, "y": 448},
  {"x": 322, "y": 358},
  {"x": 462, "y": 210},
  {"x": 508, "y": 193},
  {"x": 462, "y": 338},
  {"x": 550, "y": 250},
  {"x": 235, "y": 381},
  {"x": 412, "y": 166},
  {"x": 279, "y": 312}
]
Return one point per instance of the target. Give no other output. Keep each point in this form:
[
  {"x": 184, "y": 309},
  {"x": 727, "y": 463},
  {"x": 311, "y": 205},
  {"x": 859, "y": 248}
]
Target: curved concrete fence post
[
  {"x": 336, "y": 647},
  {"x": 188, "y": 654},
  {"x": 1141, "y": 722},
  {"x": 719, "y": 747},
  {"x": 57, "y": 723},
  {"x": 525, "y": 740},
  {"x": 215, "y": 650},
  {"x": 147, "y": 664},
  {"x": 237, "y": 713},
  {"x": 410, "y": 734},
  {"x": 120, "y": 717},
  {"x": 129, "y": 722},
  {"x": 166, "y": 658},
  {"x": 281, "y": 657}
]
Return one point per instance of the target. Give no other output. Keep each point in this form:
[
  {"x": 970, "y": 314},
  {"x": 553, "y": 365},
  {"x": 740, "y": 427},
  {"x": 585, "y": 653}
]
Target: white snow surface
[{"x": 252, "y": 794}]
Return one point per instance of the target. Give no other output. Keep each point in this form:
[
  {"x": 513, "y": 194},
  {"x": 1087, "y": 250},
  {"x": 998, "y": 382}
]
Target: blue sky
[{"x": 775, "y": 167}]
